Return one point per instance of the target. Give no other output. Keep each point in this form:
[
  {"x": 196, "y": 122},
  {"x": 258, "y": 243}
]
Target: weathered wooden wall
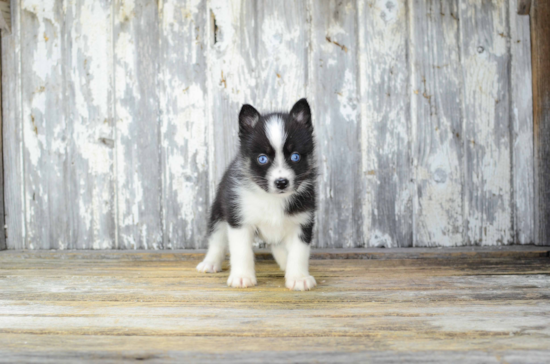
[
  {"x": 3, "y": 245},
  {"x": 540, "y": 29},
  {"x": 120, "y": 117}
]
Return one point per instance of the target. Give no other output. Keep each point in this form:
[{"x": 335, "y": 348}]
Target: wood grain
[
  {"x": 282, "y": 54},
  {"x": 487, "y": 187},
  {"x": 12, "y": 135},
  {"x": 46, "y": 133},
  {"x": 88, "y": 99},
  {"x": 57, "y": 307},
  {"x": 184, "y": 126},
  {"x": 335, "y": 106},
  {"x": 119, "y": 118},
  {"x": 137, "y": 143},
  {"x": 500, "y": 252},
  {"x": 523, "y": 7},
  {"x": 232, "y": 71},
  {"x": 385, "y": 123},
  {"x": 521, "y": 114},
  {"x": 2, "y": 212},
  {"x": 437, "y": 129},
  {"x": 5, "y": 16},
  {"x": 540, "y": 36}
]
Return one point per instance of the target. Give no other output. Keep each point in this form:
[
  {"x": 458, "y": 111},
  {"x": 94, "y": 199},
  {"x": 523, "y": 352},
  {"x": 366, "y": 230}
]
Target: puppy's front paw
[
  {"x": 209, "y": 267},
  {"x": 301, "y": 283},
  {"x": 241, "y": 280}
]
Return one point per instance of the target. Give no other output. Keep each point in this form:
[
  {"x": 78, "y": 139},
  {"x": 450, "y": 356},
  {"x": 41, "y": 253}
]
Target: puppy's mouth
[{"x": 286, "y": 191}]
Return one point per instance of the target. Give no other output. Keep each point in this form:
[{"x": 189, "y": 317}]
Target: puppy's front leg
[
  {"x": 297, "y": 265},
  {"x": 241, "y": 257}
]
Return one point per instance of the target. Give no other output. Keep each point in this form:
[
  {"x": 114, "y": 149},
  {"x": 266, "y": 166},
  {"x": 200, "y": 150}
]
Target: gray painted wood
[
  {"x": 120, "y": 117},
  {"x": 45, "y": 123},
  {"x": 521, "y": 114},
  {"x": 13, "y": 135},
  {"x": 334, "y": 94},
  {"x": 485, "y": 58},
  {"x": 137, "y": 144},
  {"x": 385, "y": 123},
  {"x": 436, "y": 123},
  {"x": 88, "y": 105},
  {"x": 184, "y": 127},
  {"x": 282, "y": 53},
  {"x": 232, "y": 72}
]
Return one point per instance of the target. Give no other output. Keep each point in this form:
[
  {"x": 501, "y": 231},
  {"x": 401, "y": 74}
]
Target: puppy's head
[{"x": 278, "y": 148}]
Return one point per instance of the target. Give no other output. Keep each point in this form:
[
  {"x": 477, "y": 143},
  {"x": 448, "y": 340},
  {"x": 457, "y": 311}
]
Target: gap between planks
[{"x": 509, "y": 252}]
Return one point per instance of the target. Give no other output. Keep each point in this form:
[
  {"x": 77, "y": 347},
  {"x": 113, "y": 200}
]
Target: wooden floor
[{"x": 488, "y": 305}]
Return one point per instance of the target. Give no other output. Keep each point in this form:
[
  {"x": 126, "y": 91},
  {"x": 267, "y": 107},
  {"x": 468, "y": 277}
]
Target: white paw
[
  {"x": 209, "y": 267},
  {"x": 302, "y": 283},
  {"x": 241, "y": 280}
]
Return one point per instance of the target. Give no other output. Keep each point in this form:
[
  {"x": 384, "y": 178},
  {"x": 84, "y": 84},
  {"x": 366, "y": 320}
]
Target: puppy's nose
[{"x": 281, "y": 183}]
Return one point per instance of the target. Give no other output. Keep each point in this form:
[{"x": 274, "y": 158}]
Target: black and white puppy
[{"x": 269, "y": 190}]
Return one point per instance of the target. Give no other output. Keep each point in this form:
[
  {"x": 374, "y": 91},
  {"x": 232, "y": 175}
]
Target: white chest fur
[{"x": 266, "y": 213}]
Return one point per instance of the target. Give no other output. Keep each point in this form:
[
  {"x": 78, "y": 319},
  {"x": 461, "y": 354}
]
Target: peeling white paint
[{"x": 414, "y": 160}]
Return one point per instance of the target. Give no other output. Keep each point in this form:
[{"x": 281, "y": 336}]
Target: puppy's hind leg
[
  {"x": 280, "y": 254},
  {"x": 217, "y": 248}
]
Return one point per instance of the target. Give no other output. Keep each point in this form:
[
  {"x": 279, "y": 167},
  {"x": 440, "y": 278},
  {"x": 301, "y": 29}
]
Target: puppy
[{"x": 270, "y": 190}]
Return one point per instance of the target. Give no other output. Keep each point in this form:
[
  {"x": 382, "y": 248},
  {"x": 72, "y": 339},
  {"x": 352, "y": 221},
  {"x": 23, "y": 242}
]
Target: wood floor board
[{"x": 57, "y": 308}]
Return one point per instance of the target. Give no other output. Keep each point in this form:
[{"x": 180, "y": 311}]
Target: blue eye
[
  {"x": 295, "y": 157},
  {"x": 262, "y": 159}
]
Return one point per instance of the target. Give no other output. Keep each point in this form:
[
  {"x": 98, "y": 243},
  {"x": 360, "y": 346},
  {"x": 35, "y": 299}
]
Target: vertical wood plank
[
  {"x": 184, "y": 135},
  {"x": 333, "y": 70},
  {"x": 232, "y": 74},
  {"x": 523, "y": 7},
  {"x": 485, "y": 57},
  {"x": 283, "y": 35},
  {"x": 5, "y": 15},
  {"x": 137, "y": 144},
  {"x": 385, "y": 122},
  {"x": 521, "y": 113},
  {"x": 436, "y": 123},
  {"x": 2, "y": 212},
  {"x": 540, "y": 43},
  {"x": 45, "y": 127},
  {"x": 88, "y": 64},
  {"x": 12, "y": 135}
]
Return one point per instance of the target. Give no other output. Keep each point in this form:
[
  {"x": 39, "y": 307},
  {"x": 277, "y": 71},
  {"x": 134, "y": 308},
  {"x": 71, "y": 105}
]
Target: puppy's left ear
[{"x": 301, "y": 113}]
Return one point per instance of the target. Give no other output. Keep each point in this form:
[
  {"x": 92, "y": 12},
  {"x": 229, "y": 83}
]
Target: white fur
[
  {"x": 275, "y": 132},
  {"x": 297, "y": 266},
  {"x": 217, "y": 248},
  {"x": 266, "y": 212},
  {"x": 241, "y": 257},
  {"x": 280, "y": 254}
]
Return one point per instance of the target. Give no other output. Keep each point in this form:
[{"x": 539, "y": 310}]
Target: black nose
[{"x": 281, "y": 183}]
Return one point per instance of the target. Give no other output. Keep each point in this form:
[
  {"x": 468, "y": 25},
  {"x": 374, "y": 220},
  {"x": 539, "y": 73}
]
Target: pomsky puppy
[{"x": 268, "y": 190}]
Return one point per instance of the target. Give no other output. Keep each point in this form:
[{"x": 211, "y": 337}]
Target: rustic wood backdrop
[{"x": 120, "y": 117}]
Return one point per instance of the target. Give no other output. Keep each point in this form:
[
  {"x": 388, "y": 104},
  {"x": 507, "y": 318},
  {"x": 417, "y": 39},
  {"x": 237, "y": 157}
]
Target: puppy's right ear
[{"x": 248, "y": 118}]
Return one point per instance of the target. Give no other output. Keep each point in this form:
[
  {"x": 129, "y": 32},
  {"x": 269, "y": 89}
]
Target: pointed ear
[
  {"x": 301, "y": 113},
  {"x": 248, "y": 118}
]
